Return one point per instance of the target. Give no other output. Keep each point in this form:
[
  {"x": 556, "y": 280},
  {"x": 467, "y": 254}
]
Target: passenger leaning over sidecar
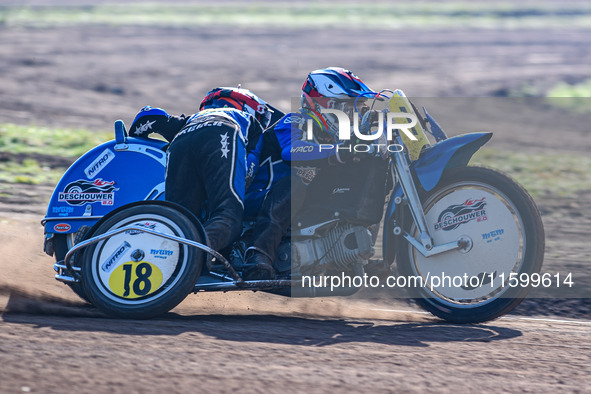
[
  {"x": 289, "y": 162},
  {"x": 156, "y": 120},
  {"x": 206, "y": 167}
]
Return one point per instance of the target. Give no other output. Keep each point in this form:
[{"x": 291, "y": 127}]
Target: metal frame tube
[
  {"x": 405, "y": 178},
  {"x": 184, "y": 241}
]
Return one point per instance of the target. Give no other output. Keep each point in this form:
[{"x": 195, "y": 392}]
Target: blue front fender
[
  {"x": 452, "y": 152},
  {"x": 429, "y": 168}
]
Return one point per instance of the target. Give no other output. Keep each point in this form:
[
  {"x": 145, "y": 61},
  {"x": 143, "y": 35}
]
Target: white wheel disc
[
  {"x": 134, "y": 267},
  {"x": 487, "y": 221}
]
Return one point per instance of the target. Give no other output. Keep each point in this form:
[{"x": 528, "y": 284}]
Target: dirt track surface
[
  {"x": 87, "y": 77},
  {"x": 254, "y": 342},
  {"x": 270, "y": 353},
  {"x": 51, "y": 342}
]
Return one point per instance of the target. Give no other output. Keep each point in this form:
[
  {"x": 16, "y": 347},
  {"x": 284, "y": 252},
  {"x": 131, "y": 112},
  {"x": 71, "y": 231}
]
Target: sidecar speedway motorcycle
[{"x": 119, "y": 245}]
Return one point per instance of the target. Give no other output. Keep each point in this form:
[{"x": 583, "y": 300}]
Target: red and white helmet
[
  {"x": 333, "y": 88},
  {"x": 241, "y": 99},
  {"x": 330, "y": 84}
]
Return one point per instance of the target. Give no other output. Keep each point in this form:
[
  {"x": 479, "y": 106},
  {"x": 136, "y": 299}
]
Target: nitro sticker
[
  {"x": 455, "y": 215},
  {"x": 62, "y": 227},
  {"x": 99, "y": 163},
  {"x": 82, "y": 191},
  {"x": 115, "y": 257}
]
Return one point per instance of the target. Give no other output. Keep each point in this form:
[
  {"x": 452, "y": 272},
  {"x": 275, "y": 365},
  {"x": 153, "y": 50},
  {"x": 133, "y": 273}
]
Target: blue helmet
[
  {"x": 148, "y": 120},
  {"x": 156, "y": 120}
]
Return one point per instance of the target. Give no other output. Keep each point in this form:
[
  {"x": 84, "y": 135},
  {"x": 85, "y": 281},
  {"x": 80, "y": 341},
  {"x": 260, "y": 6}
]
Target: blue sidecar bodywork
[{"x": 111, "y": 175}]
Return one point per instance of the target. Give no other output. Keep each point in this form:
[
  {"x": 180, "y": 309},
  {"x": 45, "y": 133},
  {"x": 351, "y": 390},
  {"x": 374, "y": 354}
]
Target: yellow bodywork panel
[{"x": 400, "y": 103}]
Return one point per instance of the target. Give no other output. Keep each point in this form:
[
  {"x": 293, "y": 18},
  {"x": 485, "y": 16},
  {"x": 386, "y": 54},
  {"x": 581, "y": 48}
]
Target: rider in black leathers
[{"x": 207, "y": 165}]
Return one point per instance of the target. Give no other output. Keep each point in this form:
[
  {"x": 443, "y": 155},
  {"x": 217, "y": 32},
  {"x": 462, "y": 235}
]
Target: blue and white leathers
[{"x": 281, "y": 147}]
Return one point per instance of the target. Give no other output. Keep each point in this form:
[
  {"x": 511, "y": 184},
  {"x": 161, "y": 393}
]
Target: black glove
[{"x": 170, "y": 129}]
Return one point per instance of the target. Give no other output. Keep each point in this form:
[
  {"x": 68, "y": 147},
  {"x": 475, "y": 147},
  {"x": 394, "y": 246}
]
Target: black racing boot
[{"x": 258, "y": 265}]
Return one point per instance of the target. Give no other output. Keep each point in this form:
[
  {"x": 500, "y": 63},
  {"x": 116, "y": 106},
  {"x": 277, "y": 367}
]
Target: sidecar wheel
[
  {"x": 503, "y": 238},
  {"x": 139, "y": 275}
]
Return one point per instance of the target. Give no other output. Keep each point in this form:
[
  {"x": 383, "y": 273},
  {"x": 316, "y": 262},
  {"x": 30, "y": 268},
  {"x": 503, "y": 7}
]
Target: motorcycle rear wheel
[
  {"x": 139, "y": 275},
  {"x": 503, "y": 236}
]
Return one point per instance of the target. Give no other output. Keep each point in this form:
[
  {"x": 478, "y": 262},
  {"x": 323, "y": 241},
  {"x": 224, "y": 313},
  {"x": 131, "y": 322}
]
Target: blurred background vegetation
[
  {"x": 374, "y": 14},
  {"x": 26, "y": 151}
]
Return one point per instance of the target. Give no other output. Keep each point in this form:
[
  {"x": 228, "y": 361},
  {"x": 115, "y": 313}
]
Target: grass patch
[
  {"x": 573, "y": 97},
  {"x": 46, "y": 141},
  {"x": 559, "y": 175},
  {"x": 29, "y": 172},
  {"x": 22, "y": 143},
  {"x": 378, "y": 15},
  {"x": 564, "y": 89}
]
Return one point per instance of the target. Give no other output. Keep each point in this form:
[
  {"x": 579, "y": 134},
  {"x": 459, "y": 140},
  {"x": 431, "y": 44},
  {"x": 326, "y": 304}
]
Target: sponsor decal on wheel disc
[{"x": 455, "y": 215}]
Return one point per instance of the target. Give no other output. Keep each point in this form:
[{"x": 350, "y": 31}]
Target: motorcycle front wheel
[
  {"x": 139, "y": 275},
  {"x": 502, "y": 238}
]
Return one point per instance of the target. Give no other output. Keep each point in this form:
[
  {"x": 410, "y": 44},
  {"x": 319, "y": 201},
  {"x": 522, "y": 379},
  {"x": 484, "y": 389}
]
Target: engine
[{"x": 342, "y": 247}]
